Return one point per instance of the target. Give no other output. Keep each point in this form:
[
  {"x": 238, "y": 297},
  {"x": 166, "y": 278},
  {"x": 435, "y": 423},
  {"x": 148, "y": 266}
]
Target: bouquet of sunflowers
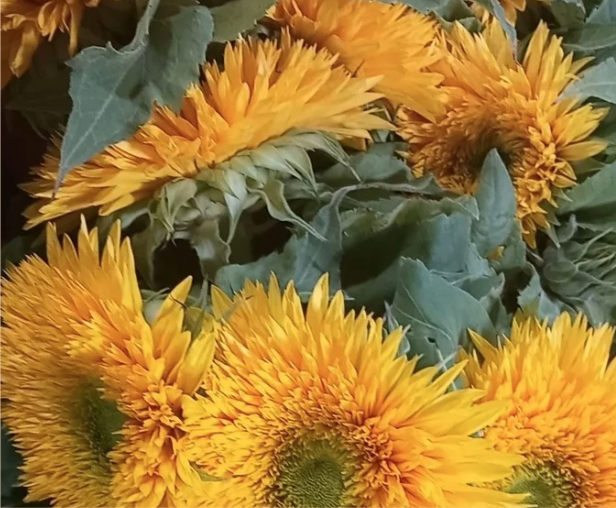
[{"x": 308, "y": 253}]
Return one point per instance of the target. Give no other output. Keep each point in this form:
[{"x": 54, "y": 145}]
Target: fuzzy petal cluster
[
  {"x": 495, "y": 102},
  {"x": 558, "y": 384},
  {"x": 91, "y": 390},
  {"x": 372, "y": 39},
  {"x": 25, "y": 23},
  {"x": 315, "y": 407},
  {"x": 266, "y": 89}
]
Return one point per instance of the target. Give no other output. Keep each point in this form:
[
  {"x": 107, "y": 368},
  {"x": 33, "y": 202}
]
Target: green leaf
[
  {"x": 593, "y": 201},
  {"x": 273, "y": 195},
  {"x": 439, "y": 242},
  {"x": 237, "y": 16},
  {"x": 212, "y": 251},
  {"x": 605, "y": 13},
  {"x": 591, "y": 37},
  {"x": 533, "y": 300},
  {"x": 598, "y": 81},
  {"x": 438, "y": 313},
  {"x": 426, "y": 6},
  {"x": 497, "y": 205},
  {"x": 113, "y": 91},
  {"x": 379, "y": 168},
  {"x": 583, "y": 274},
  {"x": 304, "y": 258},
  {"x": 569, "y": 13}
]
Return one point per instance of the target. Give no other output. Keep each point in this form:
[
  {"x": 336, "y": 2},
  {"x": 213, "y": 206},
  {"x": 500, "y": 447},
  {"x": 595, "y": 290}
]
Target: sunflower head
[
  {"x": 372, "y": 39},
  {"x": 264, "y": 91},
  {"x": 557, "y": 383},
  {"x": 316, "y": 408},
  {"x": 495, "y": 102},
  {"x": 91, "y": 390}
]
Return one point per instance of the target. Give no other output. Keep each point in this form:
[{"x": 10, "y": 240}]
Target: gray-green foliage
[
  {"x": 237, "y": 16},
  {"x": 579, "y": 266},
  {"x": 598, "y": 81},
  {"x": 569, "y": 13},
  {"x": 304, "y": 258},
  {"x": 113, "y": 91},
  {"x": 437, "y": 313}
]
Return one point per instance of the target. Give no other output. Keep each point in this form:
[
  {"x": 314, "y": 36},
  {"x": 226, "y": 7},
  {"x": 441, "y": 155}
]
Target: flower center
[
  {"x": 97, "y": 420},
  {"x": 546, "y": 485},
  {"x": 311, "y": 474}
]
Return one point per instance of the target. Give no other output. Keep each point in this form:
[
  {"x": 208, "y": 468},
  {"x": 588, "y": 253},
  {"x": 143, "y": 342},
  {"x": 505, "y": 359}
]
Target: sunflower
[
  {"x": 316, "y": 409},
  {"x": 373, "y": 39},
  {"x": 25, "y": 23},
  {"x": 495, "y": 102},
  {"x": 558, "y": 383},
  {"x": 91, "y": 390},
  {"x": 265, "y": 90}
]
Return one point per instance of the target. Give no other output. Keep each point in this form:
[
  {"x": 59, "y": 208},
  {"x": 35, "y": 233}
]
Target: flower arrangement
[{"x": 309, "y": 253}]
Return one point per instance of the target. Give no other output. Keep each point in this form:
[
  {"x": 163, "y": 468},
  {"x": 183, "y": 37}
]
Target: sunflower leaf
[
  {"x": 113, "y": 91},
  {"x": 497, "y": 205},
  {"x": 604, "y": 13},
  {"x": 379, "y": 168},
  {"x": 534, "y": 301},
  {"x": 593, "y": 201},
  {"x": 304, "y": 258},
  {"x": 569, "y": 13},
  {"x": 583, "y": 274},
  {"x": 273, "y": 195},
  {"x": 438, "y": 313},
  {"x": 591, "y": 37},
  {"x": 237, "y": 16},
  {"x": 598, "y": 81}
]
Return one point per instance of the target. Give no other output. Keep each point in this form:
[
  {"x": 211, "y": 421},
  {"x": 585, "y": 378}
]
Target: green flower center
[
  {"x": 97, "y": 420},
  {"x": 312, "y": 474},
  {"x": 547, "y": 486}
]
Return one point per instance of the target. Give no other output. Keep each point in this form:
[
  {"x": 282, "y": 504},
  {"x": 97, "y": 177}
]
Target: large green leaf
[
  {"x": 593, "y": 201},
  {"x": 237, "y": 16},
  {"x": 438, "y": 313},
  {"x": 379, "y": 168},
  {"x": 604, "y": 13},
  {"x": 569, "y": 13},
  {"x": 113, "y": 91},
  {"x": 591, "y": 37},
  {"x": 598, "y": 81},
  {"x": 439, "y": 242},
  {"x": 497, "y": 206},
  {"x": 304, "y": 258},
  {"x": 583, "y": 274}
]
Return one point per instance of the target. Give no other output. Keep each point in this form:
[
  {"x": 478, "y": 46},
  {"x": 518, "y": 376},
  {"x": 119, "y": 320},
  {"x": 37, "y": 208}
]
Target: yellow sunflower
[
  {"x": 265, "y": 90},
  {"x": 91, "y": 391},
  {"x": 495, "y": 102},
  {"x": 558, "y": 383},
  {"x": 373, "y": 39},
  {"x": 25, "y": 23},
  {"x": 317, "y": 409}
]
